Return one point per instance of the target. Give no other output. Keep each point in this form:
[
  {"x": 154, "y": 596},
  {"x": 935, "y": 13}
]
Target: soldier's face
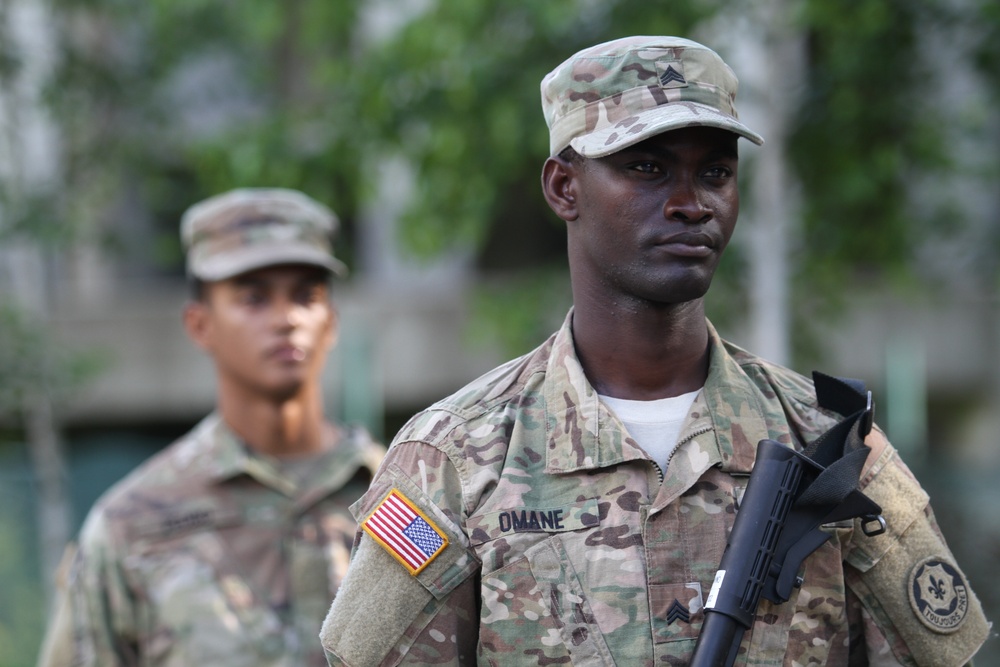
[
  {"x": 269, "y": 330},
  {"x": 651, "y": 222}
]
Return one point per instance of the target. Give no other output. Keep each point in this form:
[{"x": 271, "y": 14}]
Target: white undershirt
[{"x": 655, "y": 425}]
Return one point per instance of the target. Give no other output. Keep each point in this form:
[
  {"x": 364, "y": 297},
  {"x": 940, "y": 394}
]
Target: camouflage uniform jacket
[
  {"x": 567, "y": 545},
  {"x": 206, "y": 555}
]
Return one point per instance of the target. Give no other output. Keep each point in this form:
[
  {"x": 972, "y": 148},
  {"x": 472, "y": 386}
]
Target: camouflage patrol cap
[
  {"x": 251, "y": 228},
  {"x": 616, "y": 94}
]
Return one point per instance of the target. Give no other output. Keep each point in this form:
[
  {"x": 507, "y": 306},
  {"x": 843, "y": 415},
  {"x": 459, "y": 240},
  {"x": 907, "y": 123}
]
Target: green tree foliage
[
  {"x": 986, "y": 24},
  {"x": 875, "y": 128},
  {"x": 459, "y": 95},
  {"x": 171, "y": 101},
  {"x": 865, "y": 131},
  {"x": 987, "y": 20},
  {"x": 32, "y": 362}
]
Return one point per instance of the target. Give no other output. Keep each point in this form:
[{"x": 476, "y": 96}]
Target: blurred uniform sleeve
[
  {"x": 916, "y": 605},
  {"x": 383, "y": 614},
  {"x": 96, "y": 617},
  {"x": 57, "y": 646}
]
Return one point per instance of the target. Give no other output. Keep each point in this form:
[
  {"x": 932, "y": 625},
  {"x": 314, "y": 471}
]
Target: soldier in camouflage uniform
[
  {"x": 572, "y": 506},
  {"x": 226, "y": 548}
]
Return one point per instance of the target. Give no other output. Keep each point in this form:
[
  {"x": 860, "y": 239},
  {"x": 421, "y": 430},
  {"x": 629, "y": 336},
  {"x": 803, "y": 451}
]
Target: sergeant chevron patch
[
  {"x": 678, "y": 611},
  {"x": 405, "y": 532},
  {"x": 671, "y": 73}
]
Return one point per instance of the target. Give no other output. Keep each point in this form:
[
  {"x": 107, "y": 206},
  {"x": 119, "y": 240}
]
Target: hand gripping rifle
[{"x": 789, "y": 496}]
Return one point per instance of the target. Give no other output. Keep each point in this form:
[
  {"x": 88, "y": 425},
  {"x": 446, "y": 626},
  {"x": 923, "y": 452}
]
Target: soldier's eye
[
  {"x": 251, "y": 297},
  {"x": 719, "y": 172},
  {"x": 309, "y": 294},
  {"x": 647, "y": 167}
]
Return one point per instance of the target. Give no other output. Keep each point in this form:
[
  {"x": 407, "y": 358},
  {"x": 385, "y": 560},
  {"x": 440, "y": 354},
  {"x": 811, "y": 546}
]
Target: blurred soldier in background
[
  {"x": 226, "y": 548},
  {"x": 573, "y": 505}
]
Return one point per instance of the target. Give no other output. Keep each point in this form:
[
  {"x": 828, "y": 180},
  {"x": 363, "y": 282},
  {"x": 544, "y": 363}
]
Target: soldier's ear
[
  {"x": 559, "y": 183},
  {"x": 197, "y": 323}
]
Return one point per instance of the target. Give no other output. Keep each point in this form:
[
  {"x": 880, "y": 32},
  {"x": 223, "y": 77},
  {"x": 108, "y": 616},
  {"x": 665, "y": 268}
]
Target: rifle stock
[{"x": 776, "y": 527}]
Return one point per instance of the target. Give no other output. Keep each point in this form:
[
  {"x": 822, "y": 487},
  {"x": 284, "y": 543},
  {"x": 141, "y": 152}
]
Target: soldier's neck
[
  {"x": 284, "y": 427},
  {"x": 643, "y": 354}
]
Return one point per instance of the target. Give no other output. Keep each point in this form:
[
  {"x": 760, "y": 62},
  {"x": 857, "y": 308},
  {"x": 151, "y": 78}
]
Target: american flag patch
[{"x": 405, "y": 532}]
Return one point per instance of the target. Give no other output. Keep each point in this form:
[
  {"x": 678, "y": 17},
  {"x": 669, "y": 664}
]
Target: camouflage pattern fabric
[
  {"x": 250, "y": 228},
  {"x": 206, "y": 555},
  {"x": 568, "y": 545},
  {"x": 616, "y": 94}
]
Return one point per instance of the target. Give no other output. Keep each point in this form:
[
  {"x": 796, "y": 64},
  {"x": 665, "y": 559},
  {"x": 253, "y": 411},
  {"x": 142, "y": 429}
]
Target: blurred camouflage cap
[
  {"x": 251, "y": 228},
  {"x": 616, "y": 94}
]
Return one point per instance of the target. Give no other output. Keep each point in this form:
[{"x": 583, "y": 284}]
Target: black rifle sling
[
  {"x": 841, "y": 450},
  {"x": 833, "y": 494}
]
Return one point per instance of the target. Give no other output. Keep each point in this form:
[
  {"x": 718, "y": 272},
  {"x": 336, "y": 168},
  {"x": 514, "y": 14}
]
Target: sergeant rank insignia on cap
[
  {"x": 671, "y": 74},
  {"x": 405, "y": 532}
]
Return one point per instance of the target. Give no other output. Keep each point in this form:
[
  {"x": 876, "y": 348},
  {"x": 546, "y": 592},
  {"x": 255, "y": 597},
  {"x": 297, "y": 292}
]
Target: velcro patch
[
  {"x": 405, "y": 532},
  {"x": 939, "y": 595}
]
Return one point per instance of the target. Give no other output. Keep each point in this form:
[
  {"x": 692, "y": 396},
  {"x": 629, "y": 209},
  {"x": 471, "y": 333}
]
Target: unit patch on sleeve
[
  {"x": 405, "y": 532},
  {"x": 938, "y": 595}
]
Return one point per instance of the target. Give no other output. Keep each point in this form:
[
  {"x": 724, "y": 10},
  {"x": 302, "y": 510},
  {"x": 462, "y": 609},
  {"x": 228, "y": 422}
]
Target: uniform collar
[
  {"x": 226, "y": 456},
  {"x": 582, "y": 434},
  {"x": 734, "y": 407}
]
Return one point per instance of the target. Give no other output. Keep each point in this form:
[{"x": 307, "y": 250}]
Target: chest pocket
[
  {"x": 202, "y": 605},
  {"x": 543, "y": 590},
  {"x": 529, "y": 579}
]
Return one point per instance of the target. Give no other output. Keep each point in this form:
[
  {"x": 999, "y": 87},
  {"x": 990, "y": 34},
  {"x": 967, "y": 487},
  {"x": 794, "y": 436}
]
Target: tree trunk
[{"x": 52, "y": 500}]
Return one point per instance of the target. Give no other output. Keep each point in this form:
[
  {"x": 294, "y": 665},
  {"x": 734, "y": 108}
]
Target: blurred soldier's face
[{"x": 268, "y": 331}]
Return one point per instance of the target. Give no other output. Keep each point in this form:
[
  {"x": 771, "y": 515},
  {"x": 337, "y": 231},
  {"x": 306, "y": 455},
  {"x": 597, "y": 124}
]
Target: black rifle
[{"x": 789, "y": 496}]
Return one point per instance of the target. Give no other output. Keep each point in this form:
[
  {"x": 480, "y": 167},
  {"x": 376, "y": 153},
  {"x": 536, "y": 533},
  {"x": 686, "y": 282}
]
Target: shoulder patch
[
  {"x": 939, "y": 595},
  {"x": 405, "y": 532}
]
